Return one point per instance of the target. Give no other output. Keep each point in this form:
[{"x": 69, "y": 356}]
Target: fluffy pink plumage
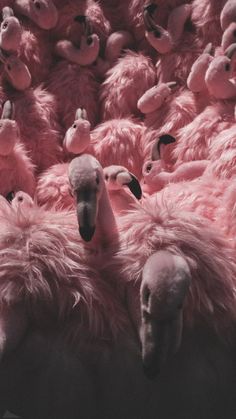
[
  {"x": 75, "y": 264},
  {"x": 206, "y": 18},
  {"x": 36, "y": 51},
  {"x": 66, "y": 79},
  {"x": 53, "y": 188},
  {"x": 125, "y": 83},
  {"x": 159, "y": 225},
  {"x": 222, "y": 154},
  {"x": 119, "y": 141},
  {"x": 17, "y": 172},
  {"x": 195, "y": 138},
  {"x": 45, "y": 265},
  {"x": 41, "y": 135}
]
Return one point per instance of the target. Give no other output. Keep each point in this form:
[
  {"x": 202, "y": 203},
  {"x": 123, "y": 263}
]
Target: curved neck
[{"x": 106, "y": 229}]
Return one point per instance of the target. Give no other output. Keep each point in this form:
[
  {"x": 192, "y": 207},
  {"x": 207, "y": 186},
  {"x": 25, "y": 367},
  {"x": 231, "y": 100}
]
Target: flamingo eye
[
  {"x": 157, "y": 34},
  {"x": 106, "y": 177},
  {"x": 89, "y": 40},
  {"x": 5, "y": 25},
  {"x": 20, "y": 198},
  {"x": 149, "y": 167},
  {"x": 74, "y": 126},
  {"x": 10, "y": 196}
]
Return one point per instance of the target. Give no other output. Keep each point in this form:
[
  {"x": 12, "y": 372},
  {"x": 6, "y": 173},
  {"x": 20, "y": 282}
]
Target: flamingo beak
[
  {"x": 159, "y": 341},
  {"x": 86, "y": 213}
]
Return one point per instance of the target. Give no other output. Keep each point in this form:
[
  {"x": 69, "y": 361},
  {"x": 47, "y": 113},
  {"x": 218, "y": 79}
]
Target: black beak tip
[
  {"x": 134, "y": 187},
  {"x": 87, "y": 233},
  {"x": 150, "y": 8},
  {"x": 10, "y": 196},
  {"x": 139, "y": 194}
]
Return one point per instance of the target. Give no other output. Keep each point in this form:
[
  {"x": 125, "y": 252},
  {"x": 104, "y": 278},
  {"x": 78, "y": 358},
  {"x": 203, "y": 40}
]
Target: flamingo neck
[{"x": 106, "y": 222}]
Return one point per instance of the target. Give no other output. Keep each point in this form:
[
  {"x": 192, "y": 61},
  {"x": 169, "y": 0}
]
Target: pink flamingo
[
  {"x": 168, "y": 108},
  {"x": 15, "y": 72},
  {"x": 195, "y": 138},
  {"x": 41, "y": 12},
  {"x": 117, "y": 178},
  {"x": 133, "y": 16},
  {"x": 165, "y": 40},
  {"x": 53, "y": 185},
  {"x": 70, "y": 15},
  {"x": 88, "y": 50},
  {"x": 125, "y": 83},
  {"x": 10, "y": 31},
  {"x": 157, "y": 173},
  {"x": 30, "y": 44},
  {"x": 17, "y": 170},
  {"x": 182, "y": 244},
  {"x": 87, "y": 185},
  {"x": 181, "y": 102},
  {"x": 178, "y": 52}
]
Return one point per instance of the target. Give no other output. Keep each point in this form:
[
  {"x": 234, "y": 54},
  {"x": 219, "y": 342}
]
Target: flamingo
[
  {"x": 195, "y": 138},
  {"x": 53, "y": 185},
  {"x": 123, "y": 188},
  {"x": 170, "y": 246},
  {"x": 15, "y": 71},
  {"x": 17, "y": 170},
  {"x": 157, "y": 173},
  {"x": 42, "y": 12},
  {"x": 70, "y": 15},
  {"x": 125, "y": 83},
  {"x": 178, "y": 52},
  {"x": 10, "y": 31}
]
